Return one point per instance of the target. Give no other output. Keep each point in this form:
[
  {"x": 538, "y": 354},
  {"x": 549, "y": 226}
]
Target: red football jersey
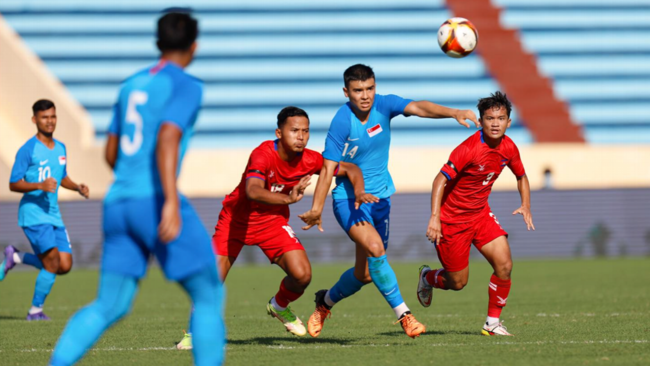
[
  {"x": 278, "y": 176},
  {"x": 471, "y": 170}
]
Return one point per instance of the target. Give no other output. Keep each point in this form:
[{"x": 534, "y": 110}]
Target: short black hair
[
  {"x": 358, "y": 72},
  {"x": 42, "y": 105},
  {"x": 290, "y": 111},
  {"x": 177, "y": 31},
  {"x": 497, "y": 99}
]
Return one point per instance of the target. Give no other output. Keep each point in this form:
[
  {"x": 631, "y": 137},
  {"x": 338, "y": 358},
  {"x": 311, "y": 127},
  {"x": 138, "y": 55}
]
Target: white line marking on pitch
[{"x": 281, "y": 347}]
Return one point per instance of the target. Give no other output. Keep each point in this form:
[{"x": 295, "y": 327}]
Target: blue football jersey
[
  {"x": 162, "y": 93},
  {"x": 34, "y": 163},
  {"x": 365, "y": 145}
]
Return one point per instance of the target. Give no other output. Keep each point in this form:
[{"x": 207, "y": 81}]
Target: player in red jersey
[
  {"x": 257, "y": 211},
  {"x": 461, "y": 216}
]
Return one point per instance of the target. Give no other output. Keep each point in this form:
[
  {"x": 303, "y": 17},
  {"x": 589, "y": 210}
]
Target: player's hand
[
  {"x": 49, "y": 185},
  {"x": 84, "y": 190},
  {"x": 528, "y": 217},
  {"x": 464, "y": 114},
  {"x": 298, "y": 191},
  {"x": 311, "y": 218},
  {"x": 434, "y": 230},
  {"x": 361, "y": 198},
  {"x": 170, "y": 222}
]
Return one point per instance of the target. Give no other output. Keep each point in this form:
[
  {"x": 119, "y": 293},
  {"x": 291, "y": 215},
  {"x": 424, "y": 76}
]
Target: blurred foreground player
[
  {"x": 360, "y": 133},
  {"x": 257, "y": 212},
  {"x": 39, "y": 170},
  {"x": 143, "y": 212},
  {"x": 461, "y": 216}
]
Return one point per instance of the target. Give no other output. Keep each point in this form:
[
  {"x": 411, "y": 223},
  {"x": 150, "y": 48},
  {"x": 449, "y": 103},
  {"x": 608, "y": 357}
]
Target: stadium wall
[
  {"x": 25, "y": 79},
  {"x": 569, "y": 223}
]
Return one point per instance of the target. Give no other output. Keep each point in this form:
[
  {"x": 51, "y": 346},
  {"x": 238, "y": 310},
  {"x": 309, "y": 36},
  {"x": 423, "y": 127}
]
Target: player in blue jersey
[
  {"x": 144, "y": 214},
  {"x": 360, "y": 134},
  {"x": 39, "y": 170}
]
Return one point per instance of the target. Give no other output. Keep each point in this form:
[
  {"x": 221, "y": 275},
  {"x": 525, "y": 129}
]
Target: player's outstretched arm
[
  {"x": 83, "y": 189},
  {"x": 256, "y": 191},
  {"x": 426, "y": 109},
  {"x": 169, "y": 137},
  {"x": 524, "y": 191},
  {"x": 110, "y": 151},
  {"x": 355, "y": 176},
  {"x": 313, "y": 217},
  {"x": 434, "y": 230}
]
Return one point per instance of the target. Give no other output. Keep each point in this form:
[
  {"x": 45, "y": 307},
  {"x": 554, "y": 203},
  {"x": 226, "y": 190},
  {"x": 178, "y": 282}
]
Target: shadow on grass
[
  {"x": 432, "y": 333},
  {"x": 11, "y": 317},
  {"x": 277, "y": 341}
]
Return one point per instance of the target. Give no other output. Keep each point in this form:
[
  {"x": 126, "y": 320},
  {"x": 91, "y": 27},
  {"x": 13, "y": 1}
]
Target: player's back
[{"x": 146, "y": 99}]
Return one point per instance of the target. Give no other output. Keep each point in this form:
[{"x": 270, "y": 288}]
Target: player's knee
[
  {"x": 376, "y": 249},
  {"x": 64, "y": 269},
  {"x": 302, "y": 278},
  {"x": 457, "y": 284},
  {"x": 51, "y": 263},
  {"x": 503, "y": 271}
]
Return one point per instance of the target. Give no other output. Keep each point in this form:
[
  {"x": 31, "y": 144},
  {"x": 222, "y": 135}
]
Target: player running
[
  {"x": 461, "y": 216},
  {"x": 143, "y": 212},
  {"x": 360, "y": 133},
  {"x": 38, "y": 172},
  {"x": 257, "y": 212}
]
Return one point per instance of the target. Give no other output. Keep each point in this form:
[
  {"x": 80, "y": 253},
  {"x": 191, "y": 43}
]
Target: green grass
[{"x": 589, "y": 312}]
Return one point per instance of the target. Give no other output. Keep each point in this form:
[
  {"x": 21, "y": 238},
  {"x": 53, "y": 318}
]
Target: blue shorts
[
  {"x": 131, "y": 236},
  {"x": 45, "y": 237},
  {"x": 377, "y": 214}
]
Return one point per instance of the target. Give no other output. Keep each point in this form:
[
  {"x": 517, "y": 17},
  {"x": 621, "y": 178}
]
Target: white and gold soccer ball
[{"x": 457, "y": 37}]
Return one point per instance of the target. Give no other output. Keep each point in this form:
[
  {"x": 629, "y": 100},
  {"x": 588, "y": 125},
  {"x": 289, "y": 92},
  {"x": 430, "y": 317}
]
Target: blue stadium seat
[
  {"x": 598, "y": 54},
  {"x": 256, "y": 58}
]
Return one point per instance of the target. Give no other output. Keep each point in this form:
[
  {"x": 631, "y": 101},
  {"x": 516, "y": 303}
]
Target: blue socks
[
  {"x": 44, "y": 283},
  {"x": 114, "y": 300},
  {"x": 347, "y": 286},
  {"x": 384, "y": 278},
  {"x": 32, "y": 260},
  {"x": 208, "y": 328}
]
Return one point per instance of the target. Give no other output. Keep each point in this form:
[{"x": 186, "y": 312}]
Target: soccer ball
[{"x": 457, "y": 37}]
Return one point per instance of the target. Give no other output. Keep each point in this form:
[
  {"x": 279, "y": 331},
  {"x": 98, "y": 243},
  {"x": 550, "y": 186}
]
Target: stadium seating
[
  {"x": 256, "y": 58},
  {"x": 598, "y": 53}
]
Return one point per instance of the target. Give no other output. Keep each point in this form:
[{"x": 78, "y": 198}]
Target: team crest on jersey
[
  {"x": 62, "y": 160},
  {"x": 481, "y": 168},
  {"x": 271, "y": 174},
  {"x": 374, "y": 131}
]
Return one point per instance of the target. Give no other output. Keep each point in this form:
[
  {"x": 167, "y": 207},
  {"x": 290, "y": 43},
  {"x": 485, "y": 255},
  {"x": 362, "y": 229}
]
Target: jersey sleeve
[
  {"x": 114, "y": 127},
  {"x": 338, "y": 132},
  {"x": 515, "y": 164},
  {"x": 393, "y": 105},
  {"x": 184, "y": 104},
  {"x": 458, "y": 159},
  {"x": 23, "y": 158},
  {"x": 258, "y": 165}
]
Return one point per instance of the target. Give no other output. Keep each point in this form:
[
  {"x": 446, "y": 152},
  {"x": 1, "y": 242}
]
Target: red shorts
[
  {"x": 453, "y": 250},
  {"x": 274, "y": 239}
]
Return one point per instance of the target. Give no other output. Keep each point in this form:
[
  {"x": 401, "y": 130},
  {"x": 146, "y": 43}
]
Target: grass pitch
[{"x": 586, "y": 312}]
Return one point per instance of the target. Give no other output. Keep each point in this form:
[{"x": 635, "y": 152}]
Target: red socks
[
  {"x": 435, "y": 278},
  {"x": 285, "y": 296},
  {"x": 498, "y": 291}
]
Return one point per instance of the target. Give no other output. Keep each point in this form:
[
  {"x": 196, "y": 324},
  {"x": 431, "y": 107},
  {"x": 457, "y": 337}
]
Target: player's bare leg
[
  {"x": 497, "y": 252},
  {"x": 65, "y": 263},
  {"x": 441, "y": 279}
]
